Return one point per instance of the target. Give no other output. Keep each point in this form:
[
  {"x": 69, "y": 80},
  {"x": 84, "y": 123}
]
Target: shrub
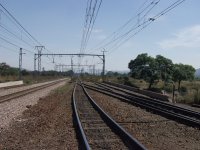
[
  {"x": 197, "y": 97},
  {"x": 27, "y": 82},
  {"x": 168, "y": 89},
  {"x": 128, "y": 83},
  {"x": 119, "y": 78},
  {"x": 126, "y": 79},
  {"x": 183, "y": 89},
  {"x": 157, "y": 90}
]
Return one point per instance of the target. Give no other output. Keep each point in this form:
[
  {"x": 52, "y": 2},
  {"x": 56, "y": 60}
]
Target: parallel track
[
  {"x": 97, "y": 129},
  {"x": 176, "y": 113},
  {"x": 147, "y": 93},
  {"x": 164, "y": 105},
  {"x": 26, "y": 91}
]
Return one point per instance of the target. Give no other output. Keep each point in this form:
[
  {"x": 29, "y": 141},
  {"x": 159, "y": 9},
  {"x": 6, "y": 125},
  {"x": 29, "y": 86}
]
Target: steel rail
[
  {"x": 121, "y": 132},
  {"x": 162, "y": 104},
  {"x": 80, "y": 128},
  {"x": 125, "y": 136},
  {"x": 143, "y": 92},
  {"x": 166, "y": 113},
  {"x": 21, "y": 93}
]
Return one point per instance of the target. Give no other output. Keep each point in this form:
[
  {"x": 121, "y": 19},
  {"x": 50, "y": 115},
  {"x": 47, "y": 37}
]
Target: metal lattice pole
[
  {"x": 20, "y": 63},
  {"x": 39, "y": 48}
]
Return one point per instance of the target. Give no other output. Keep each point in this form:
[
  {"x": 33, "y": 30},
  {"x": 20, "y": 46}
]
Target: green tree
[
  {"x": 165, "y": 66},
  {"x": 4, "y": 69},
  {"x": 112, "y": 74},
  {"x": 25, "y": 72},
  {"x": 182, "y": 72},
  {"x": 144, "y": 67}
]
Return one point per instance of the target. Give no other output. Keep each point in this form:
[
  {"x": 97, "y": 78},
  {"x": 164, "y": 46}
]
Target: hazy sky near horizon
[{"x": 58, "y": 25}]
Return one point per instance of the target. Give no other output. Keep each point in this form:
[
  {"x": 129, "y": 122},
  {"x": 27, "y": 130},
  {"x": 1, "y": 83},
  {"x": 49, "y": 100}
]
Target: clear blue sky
[{"x": 58, "y": 25}]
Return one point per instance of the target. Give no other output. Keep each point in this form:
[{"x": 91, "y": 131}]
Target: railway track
[
  {"x": 156, "y": 102},
  {"x": 97, "y": 129},
  {"x": 21, "y": 93},
  {"x": 176, "y": 113},
  {"x": 146, "y": 93}
]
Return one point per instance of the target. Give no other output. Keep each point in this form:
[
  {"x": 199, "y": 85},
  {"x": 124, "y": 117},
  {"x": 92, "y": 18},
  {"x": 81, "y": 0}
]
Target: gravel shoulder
[
  {"x": 21, "y": 88},
  {"x": 154, "y": 131},
  {"x": 12, "y": 109},
  {"x": 45, "y": 125}
]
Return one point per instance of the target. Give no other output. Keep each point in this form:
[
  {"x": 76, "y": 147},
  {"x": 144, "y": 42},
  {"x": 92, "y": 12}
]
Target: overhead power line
[
  {"x": 11, "y": 43},
  {"x": 147, "y": 23},
  {"x": 92, "y": 11},
  {"x": 113, "y": 37},
  {"x": 16, "y": 22},
  {"x": 139, "y": 18},
  {"x": 13, "y": 34},
  {"x": 16, "y": 51},
  {"x": 89, "y": 34},
  {"x": 21, "y": 29},
  {"x": 20, "y": 24}
]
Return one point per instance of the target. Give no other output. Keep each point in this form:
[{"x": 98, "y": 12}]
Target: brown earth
[{"x": 46, "y": 125}]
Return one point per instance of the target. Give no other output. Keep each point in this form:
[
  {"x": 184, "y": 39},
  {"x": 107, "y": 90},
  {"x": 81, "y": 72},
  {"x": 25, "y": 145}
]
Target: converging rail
[
  {"x": 26, "y": 91},
  {"x": 156, "y": 102},
  {"x": 176, "y": 113},
  {"x": 143, "y": 92},
  {"x": 97, "y": 129}
]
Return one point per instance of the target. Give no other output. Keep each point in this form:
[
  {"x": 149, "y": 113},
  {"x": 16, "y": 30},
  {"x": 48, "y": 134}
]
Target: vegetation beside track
[
  {"x": 189, "y": 90},
  {"x": 161, "y": 75},
  {"x": 8, "y": 73}
]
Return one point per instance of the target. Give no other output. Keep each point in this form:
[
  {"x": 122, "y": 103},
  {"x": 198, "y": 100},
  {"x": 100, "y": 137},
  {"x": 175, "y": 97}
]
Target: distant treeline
[
  {"x": 115, "y": 74},
  {"x": 6, "y": 70}
]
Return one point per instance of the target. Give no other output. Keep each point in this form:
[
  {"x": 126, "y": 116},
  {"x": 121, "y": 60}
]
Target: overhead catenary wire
[
  {"x": 11, "y": 43},
  {"x": 148, "y": 22},
  {"x": 21, "y": 29},
  {"x": 116, "y": 36},
  {"x": 87, "y": 15},
  {"x": 10, "y": 32},
  {"x": 92, "y": 10},
  {"x": 93, "y": 22},
  {"x": 119, "y": 37},
  {"x": 10, "y": 49},
  {"x": 16, "y": 22},
  {"x": 142, "y": 9},
  {"x": 11, "y": 20},
  {"x": 20, "y": 24}
]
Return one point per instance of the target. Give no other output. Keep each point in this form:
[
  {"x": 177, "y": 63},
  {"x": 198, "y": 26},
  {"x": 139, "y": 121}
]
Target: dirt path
[{"x": 46, "y": 125}]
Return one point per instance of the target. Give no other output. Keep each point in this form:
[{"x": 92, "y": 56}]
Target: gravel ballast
[
  {"x": 11, "y": 109},
  {"x": 25, "y": 87},
  {"x": 154, "y": 131},
  {"x": 46, "y": 125}
]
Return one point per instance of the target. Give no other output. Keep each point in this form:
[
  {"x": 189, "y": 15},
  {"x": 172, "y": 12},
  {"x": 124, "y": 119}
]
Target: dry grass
[
  {"x": 189, "y": 93},
  {"x": 92, "y": 78},
  {"x": 192, "y": 93},
  {"x": 8, "y": 78}
]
